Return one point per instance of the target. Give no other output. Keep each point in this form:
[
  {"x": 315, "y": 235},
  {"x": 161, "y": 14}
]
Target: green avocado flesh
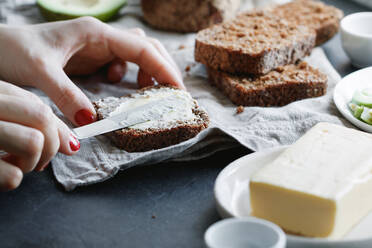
[{"x": 56, "y": 10}]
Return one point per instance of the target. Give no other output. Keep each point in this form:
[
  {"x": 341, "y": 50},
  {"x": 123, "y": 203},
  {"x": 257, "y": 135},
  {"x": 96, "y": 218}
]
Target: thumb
[{"x": 73, "y": 103}]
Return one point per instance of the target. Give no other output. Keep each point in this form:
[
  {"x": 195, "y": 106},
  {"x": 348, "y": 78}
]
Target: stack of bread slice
[{"x": 255, "y": 59}]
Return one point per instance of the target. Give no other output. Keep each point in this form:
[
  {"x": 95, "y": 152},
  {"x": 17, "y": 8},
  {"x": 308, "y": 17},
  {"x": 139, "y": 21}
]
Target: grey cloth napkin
[{"x": 256, "y": 128}]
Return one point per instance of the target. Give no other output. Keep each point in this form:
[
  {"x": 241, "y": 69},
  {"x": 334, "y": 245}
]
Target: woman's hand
[
  {"x": 43, "y": 55},
  {"x": 30, "y": 134}
]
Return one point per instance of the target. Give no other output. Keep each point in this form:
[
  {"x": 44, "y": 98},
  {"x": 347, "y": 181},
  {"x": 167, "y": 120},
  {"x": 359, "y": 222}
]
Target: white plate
[
  {"x": 232, "y": 197},
  {"x": 344, "y": 92}
]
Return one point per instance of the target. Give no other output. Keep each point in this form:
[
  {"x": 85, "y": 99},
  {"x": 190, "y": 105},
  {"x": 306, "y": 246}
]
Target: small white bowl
[
  {"x": 244, "y": 232},
  {"x": 356, "y": 37}
]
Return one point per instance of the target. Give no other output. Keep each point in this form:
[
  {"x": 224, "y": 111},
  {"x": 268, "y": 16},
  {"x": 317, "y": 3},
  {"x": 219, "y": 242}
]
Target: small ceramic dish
[
  {"x": 344, "y": 91},
  {"x": 244, "y": 232},
  {"x": 356, "y": 38}
]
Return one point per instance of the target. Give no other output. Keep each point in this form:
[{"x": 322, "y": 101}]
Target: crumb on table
[
  {"x": 181, "y": 47},
  {"x": 187, "y": 69},
  {"x": 153, "y": 217},
  {"x": 240, "y": 109}
]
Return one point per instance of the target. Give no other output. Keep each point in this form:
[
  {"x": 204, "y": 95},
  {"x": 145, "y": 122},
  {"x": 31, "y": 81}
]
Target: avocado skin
[{"x": 54, "y": 16}]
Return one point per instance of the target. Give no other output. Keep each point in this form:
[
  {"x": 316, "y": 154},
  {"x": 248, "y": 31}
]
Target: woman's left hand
[
  {"x": 44, "y": 55},
  {"x": 30, "y": 134}
]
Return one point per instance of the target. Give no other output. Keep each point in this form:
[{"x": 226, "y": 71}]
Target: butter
[
  {"x": 181, "y": 112},
  {"x": 321, "y": 186}
]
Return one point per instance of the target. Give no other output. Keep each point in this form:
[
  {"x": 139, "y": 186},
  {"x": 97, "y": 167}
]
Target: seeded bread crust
[
  {"x": 134, "y": 140},
  {"x": 277, "y": 88},
  {"x": 253, "y": 43},
  {"x": 187, "y": 15},
  {"x": 323, "y": 18}
]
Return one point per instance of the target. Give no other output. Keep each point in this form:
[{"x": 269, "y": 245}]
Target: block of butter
[{"x": 321, "y": 186}]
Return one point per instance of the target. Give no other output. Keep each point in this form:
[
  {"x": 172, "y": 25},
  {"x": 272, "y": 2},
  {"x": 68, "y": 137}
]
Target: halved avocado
[{"x": 56, "y": 10}]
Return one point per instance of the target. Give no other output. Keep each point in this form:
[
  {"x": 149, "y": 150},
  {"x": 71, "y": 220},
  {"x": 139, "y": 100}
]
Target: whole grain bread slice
[
  {"x": 161, "y": 134},
  {"x": 277, "y": 88},
  {"x": 324, "y": 19},
  {"x": 187, "y": 15},
  {"x": 253, "y": 43}
]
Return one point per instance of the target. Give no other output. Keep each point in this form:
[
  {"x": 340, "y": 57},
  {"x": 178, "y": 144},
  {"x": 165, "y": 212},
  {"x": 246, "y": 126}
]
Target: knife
[{"x": 154, "y": 110}]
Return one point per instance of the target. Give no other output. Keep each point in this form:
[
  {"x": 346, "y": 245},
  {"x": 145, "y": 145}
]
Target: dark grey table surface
[{"x": 162, "y": 205}]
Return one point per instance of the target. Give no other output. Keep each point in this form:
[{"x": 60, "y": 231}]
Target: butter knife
[{"x": 154, "y": 110}]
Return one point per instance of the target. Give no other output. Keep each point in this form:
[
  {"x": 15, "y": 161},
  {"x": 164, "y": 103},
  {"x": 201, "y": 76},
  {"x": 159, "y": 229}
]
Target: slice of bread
[
  {"x": 187, "y": 15},
  {"x": 177, "y": 126},
  {"x": 253, "y": 43},
  {"x": 323, "y": 18},
  {"x": 277, "y": 88}
]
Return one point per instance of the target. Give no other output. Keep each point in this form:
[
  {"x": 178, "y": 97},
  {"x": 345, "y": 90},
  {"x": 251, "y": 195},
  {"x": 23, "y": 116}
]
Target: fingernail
[
  {"x": 74, "y": 143},
  {"x": 84, "y": 117}
]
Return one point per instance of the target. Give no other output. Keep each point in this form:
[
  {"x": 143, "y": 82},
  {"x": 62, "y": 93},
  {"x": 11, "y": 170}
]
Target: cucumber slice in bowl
[
  {"x": 363, "y": 97},
  {"x": 356, "y": 110},
  {"x": 56, "y": 10},
  {"x": 366, "y": 116}
]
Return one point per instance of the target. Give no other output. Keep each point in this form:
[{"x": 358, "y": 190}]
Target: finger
[
  {"x": 73, "y": 103},
  {"x": 164, "y": 53},
  {"x": 24, "y": 143},
  {"x": 130, "y": 47},
  {"x": 35, "y": 115},
  {"x": 137, "y": 31},
  {"x": 144, "y": 79},
  {"x": 10, "y": 176},
  {"x": 12, "y": 90},
  {"x": 69, "y": 144},
  {"x": 141, "y": 74},
  {"x": 116, "y": 71},
  {"x": 158, "y": 46}
]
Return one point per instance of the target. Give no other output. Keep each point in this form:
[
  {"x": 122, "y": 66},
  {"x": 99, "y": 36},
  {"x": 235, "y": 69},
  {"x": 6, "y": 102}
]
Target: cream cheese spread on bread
[{"x": 180, "y": 112}]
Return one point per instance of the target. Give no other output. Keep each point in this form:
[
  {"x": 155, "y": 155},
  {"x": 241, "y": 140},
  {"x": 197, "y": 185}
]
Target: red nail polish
[
  {"x": 74, "y": 143},
  {"x": 84, "y": 117}
]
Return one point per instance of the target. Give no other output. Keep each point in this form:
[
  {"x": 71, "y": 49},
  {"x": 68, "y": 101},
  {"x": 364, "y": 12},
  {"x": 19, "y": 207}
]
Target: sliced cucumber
[
  {"x": 356, "y": 110},
  {"x": 363, "y": 97},
  {"x": 367, "y": 115},
  {"x": 55, "y": 10}
]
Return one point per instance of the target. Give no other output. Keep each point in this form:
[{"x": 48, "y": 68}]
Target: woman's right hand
[
  {"x": 30, "y": 134},
  {"x": 45, "y": 55}
]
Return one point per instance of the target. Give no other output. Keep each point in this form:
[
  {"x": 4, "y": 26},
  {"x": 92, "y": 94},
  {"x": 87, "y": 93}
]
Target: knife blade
[{"x": 151, "y": 111}]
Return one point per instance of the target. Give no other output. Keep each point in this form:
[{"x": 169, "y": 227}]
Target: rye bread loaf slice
[
  {"x": 253, "y": 43},
  {"x": 324, "y": 19},
  {"x": 187, "y": 15},
  {"x": 185, "y": 122},
  {"x": 277, "y": 88}
]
